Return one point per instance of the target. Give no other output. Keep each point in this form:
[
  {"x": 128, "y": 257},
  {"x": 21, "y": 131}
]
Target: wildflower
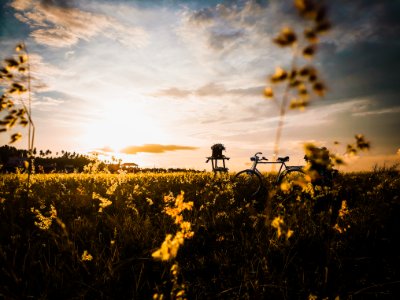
[
  {"x": 343, "y": 209},
  {"x": 171, "y": 244},
  {"x": 312, "y": 297},
  {"x": 86, "y": 256},
  {"x": 104, "y": 202},
  {"x": 220, "y": 238},
  {"x": 168, "y": 249},
  {"x": 285, "y": 187},
  {"x": 276, "y": 223},
  {"x": 362, "y": 144},
  {"x": 174, "y": 269},
  {"x": 44, "y": 222}
]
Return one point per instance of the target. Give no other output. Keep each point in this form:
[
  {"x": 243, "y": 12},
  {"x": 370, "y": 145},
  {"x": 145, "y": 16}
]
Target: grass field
[{"x": 80, "y": 236}]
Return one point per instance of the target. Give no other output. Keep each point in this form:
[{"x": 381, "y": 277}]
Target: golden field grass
[{"x": 93, "y": 236}]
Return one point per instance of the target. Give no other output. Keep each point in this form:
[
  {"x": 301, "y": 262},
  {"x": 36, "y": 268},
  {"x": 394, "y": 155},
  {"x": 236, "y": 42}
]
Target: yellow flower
[
  {"x": 171, "y": 244},
  {"x": 276, "y": 223},
  {"x": 104, "y": 202},
  {"x": 86, "y": 256},
  {"x": 44, "y": 222}
]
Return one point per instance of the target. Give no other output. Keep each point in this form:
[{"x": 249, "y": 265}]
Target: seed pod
[
  {"x": 309, "y": 51},
  {"x": 286, "y": 37},
  {"x": 311, "y": 35},
  {"x": 302, "y": 90},
  {"x": 294, "y": 83},
  {"x": 323, "y": 26},
  {"x": 279, "y": 75},
  {"x": 19, "y": 47},
  {"x": 15, "y": 137},
  {"x": 268, "y": 92},
  {"x": 11, "y": 62},
  {"x": 319, "y": 88},
  {"x": 305, "y": 71},
  {"x": 298, "y": 104}
]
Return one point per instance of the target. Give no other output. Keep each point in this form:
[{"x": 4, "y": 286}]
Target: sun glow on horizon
[{"x": 121, "y": 124}]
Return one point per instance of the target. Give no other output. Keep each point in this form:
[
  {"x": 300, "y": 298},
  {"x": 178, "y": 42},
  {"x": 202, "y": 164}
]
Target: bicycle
[{"x": 250, "y": 183}]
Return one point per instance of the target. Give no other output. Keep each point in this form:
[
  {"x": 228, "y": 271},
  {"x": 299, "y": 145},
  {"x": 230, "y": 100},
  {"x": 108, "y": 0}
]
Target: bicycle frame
[
  {"x": 282, "y": 169},
  {"x": 254, "y": 177}
]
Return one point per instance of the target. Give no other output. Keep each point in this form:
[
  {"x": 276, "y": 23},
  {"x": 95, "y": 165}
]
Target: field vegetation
[{"x": 191, "y": 235}]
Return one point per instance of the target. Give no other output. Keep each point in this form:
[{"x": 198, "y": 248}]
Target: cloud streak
[
  {"x": 154, "y": 148},
  {"x": 393, "y": 110},
  {"x": 60, "y": 26},
  {"x": 209, "y": 90}
]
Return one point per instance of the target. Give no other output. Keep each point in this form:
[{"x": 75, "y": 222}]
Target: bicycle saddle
[{"x": 283, "y": 159}]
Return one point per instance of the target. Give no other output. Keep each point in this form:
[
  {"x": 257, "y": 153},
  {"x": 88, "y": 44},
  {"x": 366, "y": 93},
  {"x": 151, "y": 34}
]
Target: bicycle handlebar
[{"x": 256, "y": 158}]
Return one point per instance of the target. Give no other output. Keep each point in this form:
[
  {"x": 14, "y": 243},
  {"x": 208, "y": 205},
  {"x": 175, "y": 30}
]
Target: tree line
[{"x": 13, "y": 160}]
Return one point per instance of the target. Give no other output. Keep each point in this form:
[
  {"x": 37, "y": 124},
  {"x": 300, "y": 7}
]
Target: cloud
[
  {"x": 363, "y": 21},
  {"x": 218, "y": 35},
  {"x": 174, "y": 92},
  {"x": 370, "y": 162},
  {"x": 222, "y": 40},
  {"x": 43, "y": 73},
  {"x": 154, "y": 148},
  {"x": 46, "y": 103},
  {"x": 391, "y": 110},
  {"x": 103, "y": 151},
  {"x": 210, "y": 90},
  {"x": 60, "y": 25}
]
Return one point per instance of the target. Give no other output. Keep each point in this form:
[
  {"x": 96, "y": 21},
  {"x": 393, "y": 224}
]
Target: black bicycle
[{"x": 249, "y": 182}]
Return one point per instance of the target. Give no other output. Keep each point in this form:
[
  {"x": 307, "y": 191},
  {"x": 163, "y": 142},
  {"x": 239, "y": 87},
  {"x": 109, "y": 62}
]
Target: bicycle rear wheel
[{"x": 248, "y": 184}]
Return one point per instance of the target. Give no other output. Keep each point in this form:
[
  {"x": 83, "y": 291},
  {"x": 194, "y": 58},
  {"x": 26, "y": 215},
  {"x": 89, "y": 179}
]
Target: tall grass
[{"x": 86, "y": 253}]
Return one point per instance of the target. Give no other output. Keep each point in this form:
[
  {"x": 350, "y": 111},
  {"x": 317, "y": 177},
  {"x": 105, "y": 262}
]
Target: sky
[{"x": 159, "y": 82}]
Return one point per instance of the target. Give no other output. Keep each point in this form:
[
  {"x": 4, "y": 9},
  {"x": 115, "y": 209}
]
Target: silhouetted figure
[{"x": 218, "y": 156}]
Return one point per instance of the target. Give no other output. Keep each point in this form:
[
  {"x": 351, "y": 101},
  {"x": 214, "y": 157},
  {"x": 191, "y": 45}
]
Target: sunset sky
[{"x": 159, "y": 82}]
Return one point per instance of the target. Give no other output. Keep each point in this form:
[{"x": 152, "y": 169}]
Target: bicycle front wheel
[{"x": 248, "y": 184}]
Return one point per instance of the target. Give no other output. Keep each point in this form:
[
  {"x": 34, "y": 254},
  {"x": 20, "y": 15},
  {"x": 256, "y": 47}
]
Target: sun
[{"x": 122, "y": 125}]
